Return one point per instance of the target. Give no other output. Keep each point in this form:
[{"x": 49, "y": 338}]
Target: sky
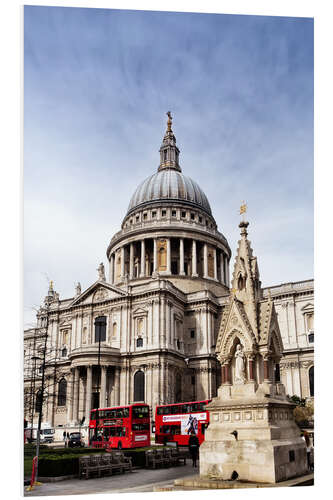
[{"x": 97, "y": 85}]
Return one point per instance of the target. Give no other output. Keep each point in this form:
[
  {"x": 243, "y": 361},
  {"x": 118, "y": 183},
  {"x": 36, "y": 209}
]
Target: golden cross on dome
[
  {"x": 51, "y": 285},
  {"x": 169, "y": 120}
]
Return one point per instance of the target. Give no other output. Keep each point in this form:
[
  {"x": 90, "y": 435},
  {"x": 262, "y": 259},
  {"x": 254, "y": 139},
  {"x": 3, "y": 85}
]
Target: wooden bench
[
  {"x": 164, "y": 457},
  {"x": 96, "y": 465}
]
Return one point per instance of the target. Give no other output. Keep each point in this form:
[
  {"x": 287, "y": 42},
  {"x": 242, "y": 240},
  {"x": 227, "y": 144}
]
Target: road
[{"x": 139, "y": 480}]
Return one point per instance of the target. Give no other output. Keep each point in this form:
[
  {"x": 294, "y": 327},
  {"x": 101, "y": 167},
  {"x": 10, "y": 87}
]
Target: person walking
[
  {"x": 193, "y": 446},
  {"x": 64, "y": 438},
  {"x": 306, "y": 438}
]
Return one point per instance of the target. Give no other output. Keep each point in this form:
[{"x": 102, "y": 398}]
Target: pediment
[
  {"x": 99, "y": 292},
  {"x": 140, "y": 311},
  {"x": 234, "y": 324},
  {"x": 307, "y": 308},
  {"x": 269, "y": 329}
]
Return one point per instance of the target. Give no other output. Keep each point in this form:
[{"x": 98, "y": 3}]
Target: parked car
[{"x": 75, "y": 439}]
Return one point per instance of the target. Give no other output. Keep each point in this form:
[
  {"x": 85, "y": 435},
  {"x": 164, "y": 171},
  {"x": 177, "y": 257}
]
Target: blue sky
[{"x": 97, "y": 85}]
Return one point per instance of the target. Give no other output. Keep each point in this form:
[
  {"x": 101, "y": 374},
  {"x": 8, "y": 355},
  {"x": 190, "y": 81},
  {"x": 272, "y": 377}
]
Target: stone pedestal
[{"x": 253, "y": 434}]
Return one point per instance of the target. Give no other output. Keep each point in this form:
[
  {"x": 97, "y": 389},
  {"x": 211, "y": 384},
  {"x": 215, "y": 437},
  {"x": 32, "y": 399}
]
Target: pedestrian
[
  {"x": 306, "y": 438},
  {"x": 193, "y": 446},
  {"x": 64, "y": 438}
]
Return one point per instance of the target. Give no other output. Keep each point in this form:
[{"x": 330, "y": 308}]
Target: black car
[{"x": 75, "y": 440}]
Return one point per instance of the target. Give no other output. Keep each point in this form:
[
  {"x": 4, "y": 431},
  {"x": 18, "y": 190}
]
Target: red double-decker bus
[
  {"x": 175, "y": 422},
  {"x": 120, "y": 427}
]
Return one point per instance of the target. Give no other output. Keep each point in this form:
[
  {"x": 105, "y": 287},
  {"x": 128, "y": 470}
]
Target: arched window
[
  {"x": 139, "y": 386},
  {"x": 39, "y": 399},
  {"x": 62, "y": 391},
  {"x": 100, "y": 329},
  {"x": 311, "y": 380},
  {"x": 84, "y": 335},
  {"x": 114, "y": 329},
  {"x": 178, "y": 388},
  {"x": 139, "y": 342}
]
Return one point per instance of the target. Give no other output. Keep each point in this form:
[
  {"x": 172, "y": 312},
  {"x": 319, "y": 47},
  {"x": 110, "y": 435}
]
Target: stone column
[
  {"x": 88, "y": 392},
  {"x": 112, "y": 269},
  {"x": 102, "y": 400},
  {"x": 194, "y": 259},
  {"x": 131, "y": 266},
  {"x": 222, "y": 267},
  {"x": 215, "y": 264},
  {"x": 76, "y": 394},
  {"x": 227, "y": 372},
  {"x": 122, "y": 257},
  {"x": 71, "y": 395},
  {"x": 266, "y": 368},
  {"x": 168, "y": 246},
  {"x": 227, "y": 271},
  {"x": 251, "y": 358},
  {"x": 181, "y": 257},
  {"x": 155, "y": 255},
  {"x": 205, "y": 269},
  {"x": 117, "y": 386},
  {"x": 222, "y": 374},
  {"x": 143, "y": 257}
]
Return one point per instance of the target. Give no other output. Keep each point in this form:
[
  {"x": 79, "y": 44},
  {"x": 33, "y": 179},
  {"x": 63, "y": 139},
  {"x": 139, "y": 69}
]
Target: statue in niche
[
  {"x": 239, "y": 365},
  {"x": 78, "y": 289},
  {"x": 101, "y": 272}
]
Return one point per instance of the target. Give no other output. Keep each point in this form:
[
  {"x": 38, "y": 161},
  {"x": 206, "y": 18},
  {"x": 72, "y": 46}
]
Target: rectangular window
[
  {"x": 144, "y": 216},
  {"x": 163, "y": 213},
  {"x": 200, "y": 218},
  {"x": 153, "y": 214},
  {"x": 192, "y": 216},
  {"x": 192, "y": 334},
  {"x": 174, "y": 213},
  {"x": 183, "y": 215}
]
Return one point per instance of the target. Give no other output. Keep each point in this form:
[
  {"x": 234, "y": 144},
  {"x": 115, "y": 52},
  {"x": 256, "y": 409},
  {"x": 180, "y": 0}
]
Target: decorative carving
[{"x": 101, "y": 294}]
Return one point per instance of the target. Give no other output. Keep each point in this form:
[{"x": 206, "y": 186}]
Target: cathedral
[{"x": 147, "y": 329}]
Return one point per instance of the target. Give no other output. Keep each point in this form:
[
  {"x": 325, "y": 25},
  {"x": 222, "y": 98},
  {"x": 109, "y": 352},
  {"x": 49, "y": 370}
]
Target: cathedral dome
[
  {"x": 171, "y": 185},
  {"x": 168, "y": 183}
]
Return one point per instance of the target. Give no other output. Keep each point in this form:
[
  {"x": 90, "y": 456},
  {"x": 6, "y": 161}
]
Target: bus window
[
  {"x": 125, "y": 412},
  {"x": 93, "y": 415},
  {"x": 140, "y": 411},
  {"x": 175, "y": 410}
]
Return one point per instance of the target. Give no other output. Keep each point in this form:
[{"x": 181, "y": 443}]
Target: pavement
[{"x": 139, "y": 480}]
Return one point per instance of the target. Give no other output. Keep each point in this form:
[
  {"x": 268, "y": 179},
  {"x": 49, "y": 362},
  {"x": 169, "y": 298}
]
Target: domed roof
[{"x": 169, "y": 184}]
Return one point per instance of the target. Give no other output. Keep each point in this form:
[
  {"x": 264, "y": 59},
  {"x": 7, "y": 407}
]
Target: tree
[{"x": 303, "y": 412}]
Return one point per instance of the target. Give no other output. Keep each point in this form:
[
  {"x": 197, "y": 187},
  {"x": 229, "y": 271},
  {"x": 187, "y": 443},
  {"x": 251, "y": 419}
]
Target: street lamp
[
  {"x": 42, "y": 389},
  {"x": 32, "y": 390}
]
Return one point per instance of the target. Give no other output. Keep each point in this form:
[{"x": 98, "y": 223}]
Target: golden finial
[
  {"x": 243, "y": 208},
  {"x": 169, "y": 120},
  {"x": 51, "y": 285}
]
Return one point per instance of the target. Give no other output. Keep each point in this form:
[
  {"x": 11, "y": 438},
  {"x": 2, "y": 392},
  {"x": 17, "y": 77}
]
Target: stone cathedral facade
[{"x": 146, "y": 330}]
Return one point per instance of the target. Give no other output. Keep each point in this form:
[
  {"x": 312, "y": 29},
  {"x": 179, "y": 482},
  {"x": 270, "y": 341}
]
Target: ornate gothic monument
[{"x": 252, "y": 429}]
